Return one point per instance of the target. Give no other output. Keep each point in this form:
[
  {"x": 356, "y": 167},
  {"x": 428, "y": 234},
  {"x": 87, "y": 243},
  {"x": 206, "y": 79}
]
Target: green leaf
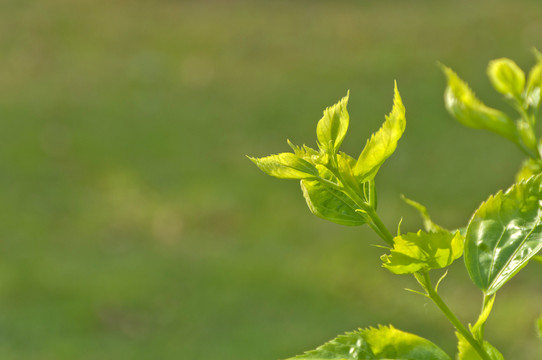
[
  {"x": 384, "y": 142},
  {"x": 539, "y": 327},
  {"x": 332, "y": 128},
  {"x": 462, "y": 104},
  {"x": 467, "y": 352},
  {"x": 385, "y": 342},
  {"x": 428, "y": 224},
  {"x": 529, "y": 168},
  {"x": 503, "y": 234},
  {"x": 527, "y": 135},
  {"x": 346, "y": 164},
  {"x": 423, "y": 251},
  {"x": 534, "y": 85},
  {"x": 506, "y": 77},
  {"x": 329, "y": 202},
  {"x": 306, "y": 153},
  {"x": 477, "y": 328},
  {"x": 286, "y": 166}
]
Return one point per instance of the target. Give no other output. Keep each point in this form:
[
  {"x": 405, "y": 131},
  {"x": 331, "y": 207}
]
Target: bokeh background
[{"x": 134, "y": 227}]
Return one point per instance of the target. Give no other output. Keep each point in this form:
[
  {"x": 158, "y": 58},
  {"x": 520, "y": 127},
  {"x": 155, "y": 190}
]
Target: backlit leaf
[
  {"x": 385, "y": 342},
  {"x": 384, "y": 142},
  {"x": 462, "y": 104},
  {"x": 306, "y": 153},
  {"x": 286, "y": 166},
  {"x": 527, "y": 135},
  {"x": 422, "y": 251},
  {"x": 477, "y": 328},
  {"x": 467, "y": 352},
  {"x": 534, "y": 85},
  {"x": 503, "y": 234},
  {"x": 332, "y": 128},
  {"x": 330, "y": 203},
  {"x": 506, "y": 77},
  {"x": 346, "y": 164},
  {"x": 529, "y": 168},
  {"x": 428, "y": 224}
]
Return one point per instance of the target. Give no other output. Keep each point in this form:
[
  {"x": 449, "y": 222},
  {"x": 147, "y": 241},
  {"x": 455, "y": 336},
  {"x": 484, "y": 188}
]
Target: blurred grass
[{"x": 134, "y": 227}]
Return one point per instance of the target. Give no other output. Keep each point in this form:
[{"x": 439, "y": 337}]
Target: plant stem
[
  {"x": 485, "y": 303},
  {"x": 529, "y": 119},
  {"x": 378, "y": 224},
  {"x": 425, "y": 281}
]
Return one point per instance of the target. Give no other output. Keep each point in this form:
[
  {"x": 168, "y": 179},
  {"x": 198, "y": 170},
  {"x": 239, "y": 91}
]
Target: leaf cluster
[
  {"x": 521, "y": 92},
  {"x": 503, "y": 235},
  {"x": 336, "y": 186}
]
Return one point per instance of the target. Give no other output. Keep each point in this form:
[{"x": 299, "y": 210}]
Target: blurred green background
[{"x": 134, "y": 227}]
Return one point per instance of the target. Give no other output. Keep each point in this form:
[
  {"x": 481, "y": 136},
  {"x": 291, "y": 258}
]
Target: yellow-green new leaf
[
  {"x": 539, "y": 327},
  {"x": 467, "y": 352},
  {"x": 423, "y": 251},
  {"x": 306, "y": 153},
  {"x": 286, "y": 166},
  {"x": 462, "y": 104},
  {"x": 534, "y": 85},
  {"x": 529, "y": 168},
  {"x": 478, "y": 328},
  {"x": 346, "y": 165},
  {"x": 506, "y": 77},
  {"x": 384, "y": 342},
  {"x": 428, "y": 224},
  {"x": 384, "y": 142},
  {"x": 327, "y": 201},
  {"x": 332, "y": 128},
  {"x": 527, "y": 135},
  {"x": 504, "y": 234}
]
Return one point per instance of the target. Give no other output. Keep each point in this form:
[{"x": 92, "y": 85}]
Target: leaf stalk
[{"x": 425, "y": 282}]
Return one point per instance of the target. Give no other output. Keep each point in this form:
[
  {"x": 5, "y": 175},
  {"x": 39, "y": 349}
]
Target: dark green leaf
[
  {"x": 386, "y": 342},
  {"x": 503, "y": 234},
  {"x": 423, "y": 251},
  {"x": 384, "y": 142},
  {"x": 462, "y": 104},
  {"x": 286, "y": 166}
]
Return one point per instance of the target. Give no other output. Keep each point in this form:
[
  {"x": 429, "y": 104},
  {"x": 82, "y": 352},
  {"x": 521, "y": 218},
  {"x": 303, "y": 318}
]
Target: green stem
[
  {"x": 425, "y": 281},
  {"x": 485, "y": 303},
  {"x": 529, "y": 119},
  {"x": 378, "y": 224}
]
